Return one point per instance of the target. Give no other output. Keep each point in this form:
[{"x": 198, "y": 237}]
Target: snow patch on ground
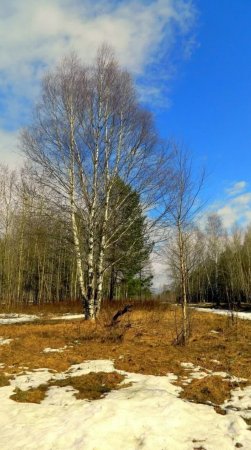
[
  {"x": 146, "y": 415},
  {"x": 54, "y": 350},
  {"x": 16, "y": 318},
  {"x": 67, "y": 317},
  {"x": 4, "y": 341},
  {"x": 225, "y": 312},
  {"x": 240, "y": 402},
  {"x": 215, "y": 361},
  {"x": 197, "y": 372}
]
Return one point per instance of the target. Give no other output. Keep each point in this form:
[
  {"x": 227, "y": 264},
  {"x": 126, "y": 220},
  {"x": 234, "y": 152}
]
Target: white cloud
[
  {"x": 236, "y": 210},
  {"x": 9, "y": 154},
  {"x": 160, "y": 273},
  {"x": 33, "y": 35},
  {"x": 229, "y": 215},
  {"x": 236, "y": 188},
  {"x": 42, "y": 31},
  {"x": 242, "y": 200}
]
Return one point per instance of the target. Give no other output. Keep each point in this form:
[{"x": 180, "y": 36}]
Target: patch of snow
[
  {"x": 54, "y": 350},
  {"x": 60, "y": 396},
  {"x": 5, "y": 341},
  {"x": 225, "y": 312},
  {"x": 240, "y": 402},
  {"x": 187, "y": 365},
  {"x": 67, "y": 317},
  {"x": 16, "y": 318},
  {"x": 146, "y": 415},
  {"x": 31, "y": 379},
  {"x": 99, "y": 365},
  {"x": 198, "y": 375},
  {"x": 214, "y": 332},
  {"x": 196, "y": 372},
  {"x": 221, "y": 374}
]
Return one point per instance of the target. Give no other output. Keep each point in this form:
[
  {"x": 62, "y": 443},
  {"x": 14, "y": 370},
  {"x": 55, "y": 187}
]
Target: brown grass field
[{"x": 141, "y": 342}]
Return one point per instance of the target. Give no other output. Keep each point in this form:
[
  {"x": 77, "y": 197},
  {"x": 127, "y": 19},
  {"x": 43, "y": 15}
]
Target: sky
[{"x": 191, "y": 62}]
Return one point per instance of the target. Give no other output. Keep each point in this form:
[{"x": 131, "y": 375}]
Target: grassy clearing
[
  {"x": 141, "y": 342},
  {"x": 91, "y": 386}
]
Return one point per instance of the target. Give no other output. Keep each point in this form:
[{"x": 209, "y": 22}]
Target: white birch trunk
[
  {"x": 183, "y": 285},
  {"x": 76, "y": 240}
]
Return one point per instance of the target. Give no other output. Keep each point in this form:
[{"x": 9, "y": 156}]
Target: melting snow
[
  {"x": 68, "y": 317},
  {"x": 5, "y": 341},
  {"x": 225, "y": 312},
  {"x": 146, "y": 415},
  {"x": 16, "y": 318},
  {"x": 54, "y": 350}
]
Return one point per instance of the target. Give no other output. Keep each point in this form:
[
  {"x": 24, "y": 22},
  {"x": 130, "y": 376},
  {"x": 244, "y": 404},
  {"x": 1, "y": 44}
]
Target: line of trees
[{"x": 218, "y": 264}]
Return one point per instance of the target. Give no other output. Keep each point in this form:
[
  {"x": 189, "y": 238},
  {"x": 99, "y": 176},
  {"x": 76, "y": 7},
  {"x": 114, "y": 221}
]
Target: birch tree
[
  {"x": 215, "y": 244},
  {"x": 88, "y": 130},
  {"x": 181, "y": 216}
]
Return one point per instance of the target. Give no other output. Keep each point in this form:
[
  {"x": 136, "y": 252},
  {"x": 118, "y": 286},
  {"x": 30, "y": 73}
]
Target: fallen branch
[{"x": 120, "y": 313}]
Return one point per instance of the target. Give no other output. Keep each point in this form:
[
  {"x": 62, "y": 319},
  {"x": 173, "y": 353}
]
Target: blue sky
[
  {"x": 210, "y": 104},
  {"x": 191, "y": 61}
]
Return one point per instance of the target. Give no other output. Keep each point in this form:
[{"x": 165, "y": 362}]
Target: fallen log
[{"x": 120, "y": 313}]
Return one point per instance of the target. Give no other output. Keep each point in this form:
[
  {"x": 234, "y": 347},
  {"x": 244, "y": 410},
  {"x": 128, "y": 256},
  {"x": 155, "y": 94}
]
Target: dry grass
[
  {"x": 141, "y": 342},
  {"x": 91, "y": 386},
  {"x": 65, "y": 307},
  {"x": 211, "y": 389},
  {"x": 4, "y": 380},
  {"x": 43, "y": 308},
  {"x": 33, "y": 395}
]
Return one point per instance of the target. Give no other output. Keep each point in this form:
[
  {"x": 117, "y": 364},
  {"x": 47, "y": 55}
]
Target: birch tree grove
[{"x": 88, "y": 132}]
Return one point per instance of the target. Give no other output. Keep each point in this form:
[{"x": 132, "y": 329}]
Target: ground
[{"x": 70, "y": 384}]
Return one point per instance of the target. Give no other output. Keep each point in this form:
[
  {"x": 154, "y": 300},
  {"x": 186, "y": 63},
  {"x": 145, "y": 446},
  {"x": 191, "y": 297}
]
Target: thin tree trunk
[{"x": 183, "y": 286}]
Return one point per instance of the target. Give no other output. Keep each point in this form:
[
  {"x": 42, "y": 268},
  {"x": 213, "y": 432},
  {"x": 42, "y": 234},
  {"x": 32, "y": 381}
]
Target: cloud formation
[
  {"x": 34, "y": 35},
  {"x": 9, "y": 149},
  {"x": 160, "y": 273},
  {"x": 236, "y": 188},
  {"x": 236, "y": 209}
]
